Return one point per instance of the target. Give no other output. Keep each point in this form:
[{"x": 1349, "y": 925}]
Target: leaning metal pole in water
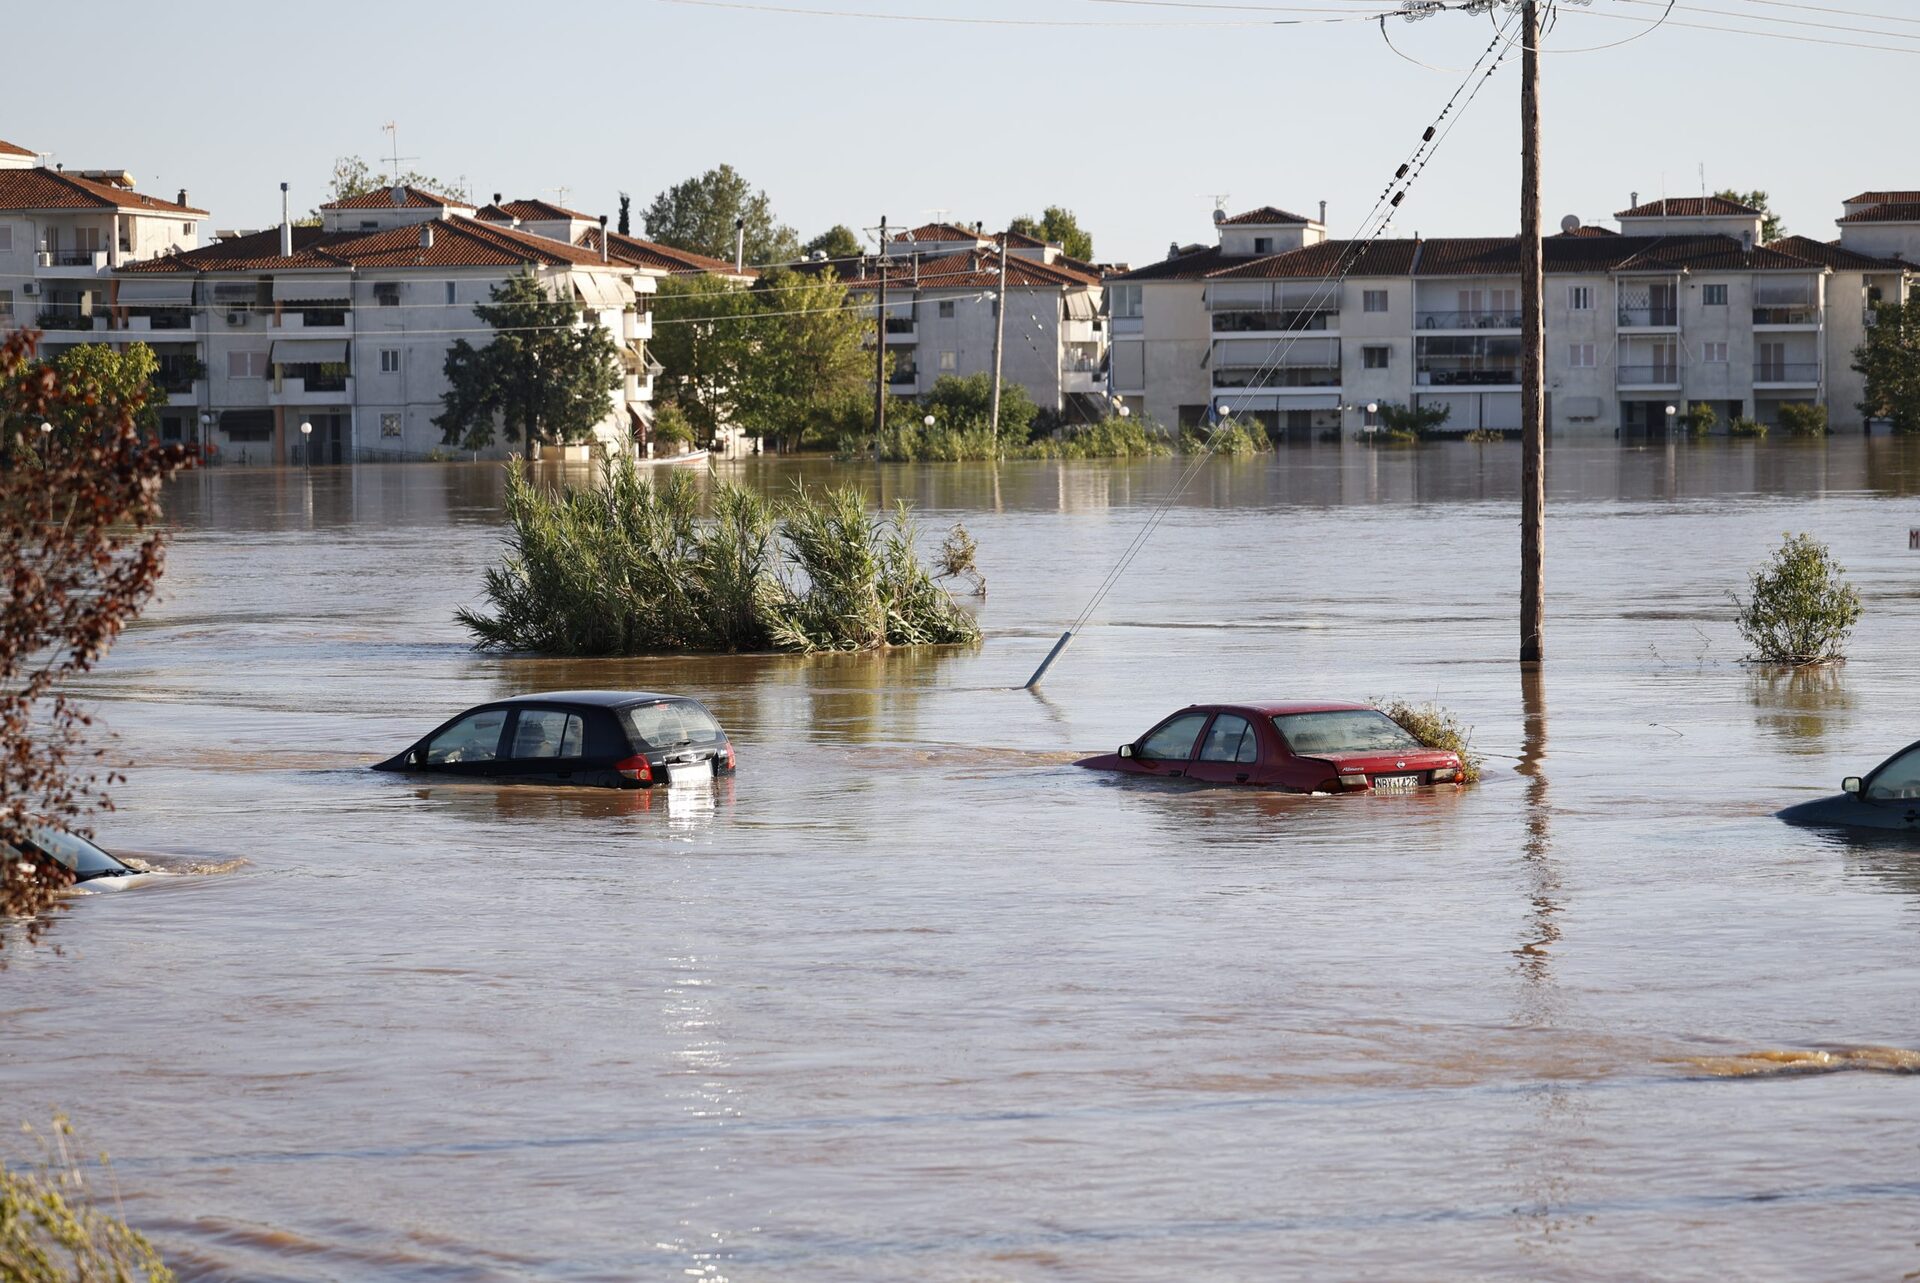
[{"x": 1047, "y": 663}]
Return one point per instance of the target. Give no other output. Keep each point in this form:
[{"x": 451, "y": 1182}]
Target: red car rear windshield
[{"x": 1354, "y": 730}]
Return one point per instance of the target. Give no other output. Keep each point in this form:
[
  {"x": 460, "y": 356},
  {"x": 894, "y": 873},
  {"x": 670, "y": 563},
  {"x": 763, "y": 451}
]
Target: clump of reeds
[
  {"x": 631, "y": 567},
  {"x": 52, "y": 1231},
  {"x": 1435, "y": 727}
]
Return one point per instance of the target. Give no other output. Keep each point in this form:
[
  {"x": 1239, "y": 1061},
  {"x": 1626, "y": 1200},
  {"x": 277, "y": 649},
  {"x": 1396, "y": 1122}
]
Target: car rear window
[
  {"x": 671, "y": 723},
  {"x": 1354, "y": 730},
  {"x": 78, "y": 854}
]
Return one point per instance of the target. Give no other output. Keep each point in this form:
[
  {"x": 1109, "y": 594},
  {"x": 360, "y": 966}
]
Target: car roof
[
  {"x": 1283, "y": 708},
  {"x": 600, "y": 699}
]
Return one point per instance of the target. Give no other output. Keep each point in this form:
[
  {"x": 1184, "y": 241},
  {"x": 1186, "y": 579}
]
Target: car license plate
[
  {"x": 1395, "y": 783},
  {"x": 682, "y": 774}
]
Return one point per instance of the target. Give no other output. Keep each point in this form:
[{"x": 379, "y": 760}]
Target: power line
[
  {"x": 1747, "y": 31},
  {"x": 1790, "y": 22},
  {"x": 951, "y": 19}
]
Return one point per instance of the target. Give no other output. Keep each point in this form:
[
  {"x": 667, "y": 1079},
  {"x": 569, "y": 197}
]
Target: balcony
[
  {"x": 1247, "y": 320},
  {"x": 187, "y": 395},
  {"x": 318, "y": 389},
  {"x": 908, "y": 375},
  {"x": 639, "y": 327},
  {"x": 1080, "y": 372},
  {"x": 1278, "y": 378},
  {"x": 1502, "y": 320},
  {"x": 900, "y": 329},
  {"x": 321, "y": 322},
  {"x": 1641, "y": 318},
  {"x": 1786, "y": 374},
  {"x": 148, "y": 322},
  {"x": 1802, "y": 315},
  {"x": 70, "y": 263},
  {"x": 1497, "y": 376},
  {"x": 1647, "y": 376},
  {"x": 59, "y": 316}
]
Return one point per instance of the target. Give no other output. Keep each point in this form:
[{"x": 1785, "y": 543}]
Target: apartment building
[
  {"x": 344, "y": 329},
  {"x": 943, "y": 283},
  {"x": 1682, "y": 304},
  {"x": 63, "y": 233}
]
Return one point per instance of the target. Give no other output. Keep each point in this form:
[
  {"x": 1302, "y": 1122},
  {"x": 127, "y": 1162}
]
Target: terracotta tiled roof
[
  {"x": 941, "y": 232},
  {"x": 1266, "y": 215},
  {"x": 1329, "y": 259},
  {"x": 1689, "y": 207},
  {"x": 11, "y": 149},
  {"x": 1833, "y": 254},
  {"x": 413, "y": 198},
  {"x": 457, "y": 242},
  {"x": 972, "y": 269},
  {"x": 51, "y": 189},
  {"x": 1884, "y": 198},
  {"x": 1705, "y": 254},
  {"x": 1900, "y": 212},
  {"x": 634, "y": 252},
  {"x": 1020, "y": 239},
  {"x": 531, "y": 211},
  {"x": 1195, "y": 265},
  {"x": 1588, "y": 230}
]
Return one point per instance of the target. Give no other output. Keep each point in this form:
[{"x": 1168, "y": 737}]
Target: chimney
[
  {"x": 1746, "y": 240},
  {"x": 739, "y": 243},
  {"x": 426, "y": 236},
  {"x": 1323, "y": 213},
  {"x": 286, "y": 223},
  {"x": 603, "y": 238},
  {"x": 397, "y": 195},
  {"x": 181, "y": 199},
  {"x": 1633, "y": 201},
  {"x": 496, "y": 198},
  {"x": 1173, "y": 249}
]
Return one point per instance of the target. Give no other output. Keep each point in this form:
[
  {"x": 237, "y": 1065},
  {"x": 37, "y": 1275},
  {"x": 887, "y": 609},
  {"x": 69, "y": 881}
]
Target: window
[
  {"x": 1373, "y": 301},
  {"x": 369, "y": 225},
  {"x": 186, "y": 229},
  {"x": 246, "y": 365},
  {"x": 1375, "y": 358},
  {"x": 471, "y": 739},
  {"x": 1713, "y": 295},
  {"x": 671, "y": 723},
  {"x": 247, "y": 425},
  {"x": 387, "y": 293},
  {"x": 1263, "y": 244},
  {"x": 1173, "y": 742},
  {"x": 542, "y": 732},
  {"x": 6, "y": 303},
  {"x": 1124, "y": 300},
  {"x": 948, "y": 361},
  {"x": 449, "y": 293},
  {"x": 1897, "y": 781},
  {"x": 1357, "y": 730},
  {"x": 946, "y": 309},
  {"x": 1713, "y": 353},
  {"x": 389, "y": 360},
  {"x": 1580, "y": 298},
  {"x": 1230, "y": 739},
  {"x": 1581, "y": 356},
  {"x": 389, "y": 425},
  {"x": 6, "y": 238}
]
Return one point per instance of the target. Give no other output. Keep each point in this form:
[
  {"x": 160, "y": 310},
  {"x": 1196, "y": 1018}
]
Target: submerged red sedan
[{"x": 1305, "y": 747}]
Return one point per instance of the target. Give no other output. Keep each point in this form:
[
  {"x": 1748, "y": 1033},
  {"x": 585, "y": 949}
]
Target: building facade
[{"x": 1682, "y": 305}]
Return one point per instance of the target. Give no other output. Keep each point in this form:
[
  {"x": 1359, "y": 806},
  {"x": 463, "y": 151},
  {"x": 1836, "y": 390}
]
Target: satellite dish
[{"x": 1570, "y": 224}]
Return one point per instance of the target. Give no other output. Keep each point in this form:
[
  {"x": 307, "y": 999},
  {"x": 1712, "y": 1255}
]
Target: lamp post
[
  {"x": 46, "y": 429},
  {"x": 1672, "y": 410},
  {"x": 206, "y": 429},
  {"x": 1125, "y": 410},
  {"x": 306, "y": 439}
]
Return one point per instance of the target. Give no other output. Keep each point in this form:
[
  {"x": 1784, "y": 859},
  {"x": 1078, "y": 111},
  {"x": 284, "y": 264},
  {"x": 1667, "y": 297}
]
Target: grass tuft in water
[{"x": 1435, "y": 727}]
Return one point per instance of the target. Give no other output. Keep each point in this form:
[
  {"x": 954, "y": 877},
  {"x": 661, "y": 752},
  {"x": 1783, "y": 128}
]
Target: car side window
[
  {"x": 1230, "y": 739},
  {"x": 547, "y": 732},
  {"x": 1898, "y": 780},
  {"x": 475, "y": 738},
  {"x": 1173, "y": 741}
]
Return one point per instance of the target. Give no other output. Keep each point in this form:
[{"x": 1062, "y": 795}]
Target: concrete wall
[{"x": 1177, "y": 331}]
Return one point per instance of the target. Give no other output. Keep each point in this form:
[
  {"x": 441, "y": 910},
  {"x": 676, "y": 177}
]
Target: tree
[
  {"x": 837, "y": 242},
  {"x": 544, "y": 377},
  {"x": 1058, "y": 226},
  {"x": 807, "y": 358},
  {"x": 625, "y": 226},
  {"x": 1771, "y": 229},
  {"x": 964, "y": 403},
  {"x": 1890, "y": 360},
  {"x": 700, "y": 338},
  {"x": 79, "y": 517},
  {"x": 99, "y": 375},
  {"x": 699, "y": 214},
  {"x": 353, "y": 176}
]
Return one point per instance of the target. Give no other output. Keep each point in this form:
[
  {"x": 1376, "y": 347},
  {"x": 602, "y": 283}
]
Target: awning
[
  {"x": 1080, "y": 305},
  {"x": 157, "y": 292},
  {"x": 604, "y": 293},
  {"x": 309, "y": 352},
  {"x": 633, "y": 358},
  {"x": 311, "y": 289}
]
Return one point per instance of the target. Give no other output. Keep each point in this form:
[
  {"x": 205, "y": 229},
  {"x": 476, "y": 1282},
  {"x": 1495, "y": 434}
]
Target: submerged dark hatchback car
[
  {"x": 1887, "y": 798},
  {"x": 605, "y": 739}
]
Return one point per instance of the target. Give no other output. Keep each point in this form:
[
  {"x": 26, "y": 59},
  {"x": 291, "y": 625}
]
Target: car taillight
[
  {"x": 730, "y": 757},
  {"x": 635, "y": 768},
  {"x": 1358, "y": 781},
  {"x": 1445, "y": 775}
]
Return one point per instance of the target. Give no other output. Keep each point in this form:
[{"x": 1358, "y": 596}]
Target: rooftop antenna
[
  {"x": 1703, "y": 179},
  {"x": 560, "y": 194},
  {"x": 393, "y": 174}
]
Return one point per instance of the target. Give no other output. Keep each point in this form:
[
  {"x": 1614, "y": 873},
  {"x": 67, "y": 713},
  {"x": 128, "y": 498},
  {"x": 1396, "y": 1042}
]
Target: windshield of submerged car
[
  {"x": 1898, "y": 780},
  {"x": 671, "y": 723},
  {"x": 1353, "y": 730},
  {"x": 78, "y": 854}
]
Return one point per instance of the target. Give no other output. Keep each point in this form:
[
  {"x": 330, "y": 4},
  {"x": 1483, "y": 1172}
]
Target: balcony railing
[
  {"x": 1479, "y": 377},
  {"x": 64, "y": 318},
  {"x": 1080, "y": 363},
  {"x": 1787, "y": 372},
  {"x": 1243, "y": 320},
  {"x": 1648, "y": 375},
  {"x": 1640, "y": 316},
  {"x": 94, "y": 258},
  {"x": 1291, "y": 376},
  {"x": 1469, "y": 320},
  {"x": 906, "y": 374},
  {"x": 1787, "y": 314},
  {"x": 899, "y": 325}
]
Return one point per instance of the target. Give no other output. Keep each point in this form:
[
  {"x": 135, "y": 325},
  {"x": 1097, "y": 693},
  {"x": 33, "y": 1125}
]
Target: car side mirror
[
  {"x": 419, "y": 755},
  {"x": 1126, "y": 750},
  {"x": 1851, "y": 785}
]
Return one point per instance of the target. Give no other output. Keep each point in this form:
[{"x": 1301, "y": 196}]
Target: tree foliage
[
  {"x": 98, "y": 374},
  {"x": 838, "y": 242},
  {"x": 353, "y": 176},
  {"x": 1771, "y": 228},
  {"x": 1890, "y": 360},
  {"x": 699, "y": 214},
  {"x": 1801, "y": 610},
  {"x": 543, "y": 377},
  {"x": 700, "y": 337},
  {"x": 1058, "y": 226},
  {"x": 79, "y": 517}
]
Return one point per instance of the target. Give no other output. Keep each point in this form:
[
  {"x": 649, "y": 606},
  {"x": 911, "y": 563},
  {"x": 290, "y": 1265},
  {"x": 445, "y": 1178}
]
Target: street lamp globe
[
  {"x": 46, "y": 428},
  {"x": 1125, "y": 411},
  {"x": 928, "y": 420},
  {"x": 1672, "y": 410},
  {"x": 1373, "y": 407},
  {"x": 306, "y": 429}
]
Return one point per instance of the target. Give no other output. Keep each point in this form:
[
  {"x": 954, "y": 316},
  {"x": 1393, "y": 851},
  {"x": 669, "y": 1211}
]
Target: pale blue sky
[{"x": 843, "y": 119}]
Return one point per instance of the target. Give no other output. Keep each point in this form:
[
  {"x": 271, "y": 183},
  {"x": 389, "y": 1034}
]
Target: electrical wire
[
  {"x": 1748, "y": 31},
  {"x": 1790, "y": 22},
  {"x": 793, "y": 10}
]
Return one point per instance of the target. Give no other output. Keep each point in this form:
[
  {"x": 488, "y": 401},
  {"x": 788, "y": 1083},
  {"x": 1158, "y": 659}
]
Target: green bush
[
  {"x": 1803, "y": 419},
  {"x": 1752, "y": 429},
  {"x": 1111, "y": 438},
  {"x": 967, "y": 403},
  {"x": 1484, "y": 436},
  {"x": 671, "y": 424},
  {"x": 627, "y": 567},
  {"x": 1387, "y": 436},
  {"x": 1801, "y": 611},
  {"x": 1702, "y": 419},
  {"x": 1435, "y": 727},
  {"x": 1421, "y": 421},
  {"x": 1230, "y": 436},
  {"x": 52, "y": 1232}
]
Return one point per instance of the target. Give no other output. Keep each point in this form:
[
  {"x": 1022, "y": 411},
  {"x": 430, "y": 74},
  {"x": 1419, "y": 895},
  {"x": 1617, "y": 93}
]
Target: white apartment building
[
  {"x": 943, "y": 284},
  {"x": 63, "y": 234},
  {"x": 345, "y": 328},
  {"x": 1682, "y": 304}
]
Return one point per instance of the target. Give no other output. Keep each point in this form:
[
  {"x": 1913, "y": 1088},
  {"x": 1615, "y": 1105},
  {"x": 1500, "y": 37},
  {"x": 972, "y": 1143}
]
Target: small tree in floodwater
[
  {"x": 79, "y": 514},
  {"x": 1801, "y": 611},
  {"x": 52, "y": 1228}
]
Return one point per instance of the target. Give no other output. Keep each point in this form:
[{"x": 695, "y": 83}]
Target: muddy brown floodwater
[{"x": 914, "y": 998}]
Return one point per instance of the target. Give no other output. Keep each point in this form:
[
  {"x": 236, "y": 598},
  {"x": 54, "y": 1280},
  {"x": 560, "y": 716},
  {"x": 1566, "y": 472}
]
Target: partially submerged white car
[{"x": 87, "y": 862}]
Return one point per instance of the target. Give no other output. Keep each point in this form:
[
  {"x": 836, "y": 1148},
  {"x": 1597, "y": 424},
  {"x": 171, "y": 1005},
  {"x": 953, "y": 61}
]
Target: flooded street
[{"x": 912, "y": 997}]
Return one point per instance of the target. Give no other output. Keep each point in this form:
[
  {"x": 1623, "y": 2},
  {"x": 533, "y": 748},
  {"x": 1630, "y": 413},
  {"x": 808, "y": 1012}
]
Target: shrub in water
[
  {"x": 1230, "y": 437},
  {"x": 1751, "y": 428},
  {"x": 1801, "y": 611},
  {"x": 630, "y": 567},
  {"x": 1435, "y": 727},
  {"x": 1803, "y": 419},
  {"x": 51, "y": 1231},
  {"x": 1702, "y": 419},
  {"x": 1111, "y": 438}
]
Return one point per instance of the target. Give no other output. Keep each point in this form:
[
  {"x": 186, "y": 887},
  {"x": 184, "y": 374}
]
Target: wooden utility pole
[
  {"x": 1533, "y": 449},
  {"x": 880, "y": 346},
  {"x": 999, "y": 342}
]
